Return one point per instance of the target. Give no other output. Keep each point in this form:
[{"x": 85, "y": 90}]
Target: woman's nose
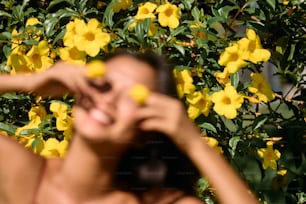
[{"x": 108, "y": 99}]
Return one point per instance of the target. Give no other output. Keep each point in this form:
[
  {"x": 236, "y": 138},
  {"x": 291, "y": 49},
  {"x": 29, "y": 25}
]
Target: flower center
[
  {"x": 35, "y": 57},
  {"x": 226, "y": 100},
  {"x": 90, "y": 36},
  {"x": 169, "y": 12},
  {"x": 252, "y": 46},
  {"x": 234, "y": 57},
  {"x": 145, "y": 11}
]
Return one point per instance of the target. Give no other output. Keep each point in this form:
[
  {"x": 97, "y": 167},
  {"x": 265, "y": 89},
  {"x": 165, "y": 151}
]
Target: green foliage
[{"x": 206, "y": 28}]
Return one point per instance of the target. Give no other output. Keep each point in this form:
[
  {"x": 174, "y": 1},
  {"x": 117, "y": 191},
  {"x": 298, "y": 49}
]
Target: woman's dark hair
[{"x": 157, "y": 162}]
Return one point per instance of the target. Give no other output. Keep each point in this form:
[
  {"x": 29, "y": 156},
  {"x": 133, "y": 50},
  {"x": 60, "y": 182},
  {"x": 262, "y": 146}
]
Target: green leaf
[
  {"x": 208, "y": 126},
  {"x": 109, "y": 13},
  {"x": 10, "y": 129},
  {"x": 224, "y": 11},
  {"x": 195, "y": 12},
  {"x": 259, "y": 121},
  {"x": 56, "y": 2},
  {"x": 271, "y": 3},
  {"x": 59, "y": 36},
  {"x": 235, "y": 79},
  {"x": 30, "y": 42},
  {"x": 49, "y": 25},
  {"x": 180, "y": 48},
  {"x": 233, "y": 144},
  {"x": 6, "y": 50},
  {"x": 178, "y": 30},
  {"x": 3, "y": 13}
]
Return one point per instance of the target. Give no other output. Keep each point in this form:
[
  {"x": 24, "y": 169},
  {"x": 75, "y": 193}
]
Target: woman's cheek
[{"x": 127, "y": 111}]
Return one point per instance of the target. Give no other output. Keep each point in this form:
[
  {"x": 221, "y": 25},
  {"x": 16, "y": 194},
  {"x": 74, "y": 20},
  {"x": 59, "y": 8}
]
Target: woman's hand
[
  {"x": 60, "y": 79},
  {"x": 168, "y": 115}
]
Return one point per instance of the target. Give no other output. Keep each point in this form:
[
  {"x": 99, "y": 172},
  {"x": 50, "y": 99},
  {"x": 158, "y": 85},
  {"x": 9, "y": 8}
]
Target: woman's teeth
[{"x": 100, "y": 116}]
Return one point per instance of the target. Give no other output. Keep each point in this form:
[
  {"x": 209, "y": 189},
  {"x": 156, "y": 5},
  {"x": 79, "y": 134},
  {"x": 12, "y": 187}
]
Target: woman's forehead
[{"x": 129, "y": 70}]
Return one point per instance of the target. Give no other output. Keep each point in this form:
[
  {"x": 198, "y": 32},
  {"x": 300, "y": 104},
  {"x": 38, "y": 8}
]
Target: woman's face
[{"x": 109, "y": 112}]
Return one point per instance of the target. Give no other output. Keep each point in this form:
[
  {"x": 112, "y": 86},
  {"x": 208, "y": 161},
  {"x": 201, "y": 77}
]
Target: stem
[{"x": 234, "y": 19}]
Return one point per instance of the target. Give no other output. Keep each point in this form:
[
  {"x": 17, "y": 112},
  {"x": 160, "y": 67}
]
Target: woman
[{"x": 117, "y": 145}]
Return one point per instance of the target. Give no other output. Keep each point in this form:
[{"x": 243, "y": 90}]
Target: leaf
[
  {"x": 179, "y": 48},
  {"x": 271, "y": 3},
  {"x": 224, "y": 11},
  {"x": 233, "y": 144},
  {"x": 234, "y": 79},
  {"x": 109, "y": 13},
  {"x": 30, "y": 42},
  {"x": 7, "y": 50},
  {"x": 178, "y": 30},
  {"x": 59, "y": 36},
  {"x": 3, "y": 13},
  {"x": 10, "y": 129},
  {"x": 208, "y": 126},
  {"x": 195, "y": 12},
  {"x": 259, "y": 121},
  {"x": 56, "y": 2}
]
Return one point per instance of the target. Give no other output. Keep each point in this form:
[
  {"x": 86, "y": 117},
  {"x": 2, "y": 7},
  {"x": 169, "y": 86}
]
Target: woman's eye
[{"x": 101, "y": 86}]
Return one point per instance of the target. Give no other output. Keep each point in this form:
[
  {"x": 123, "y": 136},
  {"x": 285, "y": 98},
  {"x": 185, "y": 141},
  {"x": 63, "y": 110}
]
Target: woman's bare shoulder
[
  {"x": 18, "y": 165},
  {"x": 189, "y": 200}
]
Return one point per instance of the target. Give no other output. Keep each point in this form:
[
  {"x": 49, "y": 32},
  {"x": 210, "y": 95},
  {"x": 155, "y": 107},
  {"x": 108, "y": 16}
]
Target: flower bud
[
  {"x": 95, "y": 69},
  {"x": 139, "y": 93}
]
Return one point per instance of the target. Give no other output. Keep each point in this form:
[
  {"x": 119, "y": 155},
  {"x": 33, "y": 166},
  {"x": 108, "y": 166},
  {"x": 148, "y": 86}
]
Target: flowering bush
[{"x": 225, "y": 55}]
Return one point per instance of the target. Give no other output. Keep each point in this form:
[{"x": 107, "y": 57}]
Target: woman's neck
[{"x": 88, "y": 169}]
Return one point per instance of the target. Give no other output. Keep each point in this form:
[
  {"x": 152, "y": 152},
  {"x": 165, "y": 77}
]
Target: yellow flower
[
  {"x": 31, "y": 22},
  {"x": 223, "y": 77},
  {"x": 54, "y": 148},
  {"x": 39, "y": 56},
  {"x": 16, "y": 39},
  {"x": 212, "y": 142},
  {"x": 199, "y": 103},
  {"x": 36, "y": 144},
  {"x": 145, "y": 11},
  {"x": 139, "y": 93},
  {"x": 168, "y": 15},
  {"x": 95, "y": 69},
  {"x": 36, "y": 115},
  {"x": 261, "y": 88},
  {"x": 252, "y": 49},
  {"x": 227, "y": 101},
  {"x": 184, "y": 82},
  {"x": 72, "y": 55},
  {"x": 60, "y": 112},
  {"x": 122, "y": 4},
  {"x": 282, "y": 172},
  {"x": 269, "y": 155},
  {"x": 19, "y": 62},
  {"x": 90, "y": 38},
  {"x": 232, "y": 59},
  {"x": 71, "y": 33}
]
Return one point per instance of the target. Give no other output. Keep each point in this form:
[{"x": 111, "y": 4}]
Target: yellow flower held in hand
[
  {"x": 139, "y": 93},
  {"x": 95, "y": 69}
]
